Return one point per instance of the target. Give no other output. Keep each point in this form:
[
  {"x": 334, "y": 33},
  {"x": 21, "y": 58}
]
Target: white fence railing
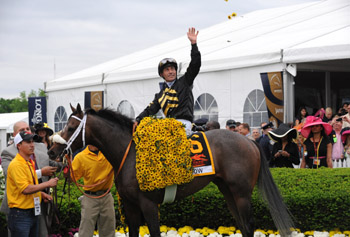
[{"x": 341, "y": 163}]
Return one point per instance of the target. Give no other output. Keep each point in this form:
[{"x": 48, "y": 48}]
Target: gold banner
[{"x": 96, "y": 100}]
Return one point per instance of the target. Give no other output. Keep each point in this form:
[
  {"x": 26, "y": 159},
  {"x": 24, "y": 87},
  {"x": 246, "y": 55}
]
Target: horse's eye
[{"x": 70, "y": 129}]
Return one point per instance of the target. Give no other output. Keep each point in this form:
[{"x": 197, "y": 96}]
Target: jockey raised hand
[
  {"x": 192, "y": 35},
  {"x": 175, "y": 98}
]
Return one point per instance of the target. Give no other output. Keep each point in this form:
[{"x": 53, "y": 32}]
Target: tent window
[
  {"x": 60, "y": 118},
  {"x": 206, "y": 107},
  {"x": 126, "y": 109},
  {"x": 254, "y": 110}
]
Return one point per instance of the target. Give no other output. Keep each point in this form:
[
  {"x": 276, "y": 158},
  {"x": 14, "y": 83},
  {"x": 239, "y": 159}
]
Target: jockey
[{"x": 175, "y": 98}]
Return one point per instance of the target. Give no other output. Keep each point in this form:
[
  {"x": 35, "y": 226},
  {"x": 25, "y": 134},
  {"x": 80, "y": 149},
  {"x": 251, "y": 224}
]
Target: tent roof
[
  {"x": 313, "y": 31},
  {"x": 7, "y": 120}
]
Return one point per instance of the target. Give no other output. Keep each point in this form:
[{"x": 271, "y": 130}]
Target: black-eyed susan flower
[{"x": 161, "y": 145}]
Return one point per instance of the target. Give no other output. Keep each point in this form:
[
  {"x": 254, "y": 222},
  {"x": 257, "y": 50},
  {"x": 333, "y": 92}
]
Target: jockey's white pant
[{"x": 188, "y": 126}]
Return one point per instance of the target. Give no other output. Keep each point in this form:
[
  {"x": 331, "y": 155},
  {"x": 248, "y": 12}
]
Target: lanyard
[
  {"x": 33, "y": 165},
  {"x": 317, "y": 149}
]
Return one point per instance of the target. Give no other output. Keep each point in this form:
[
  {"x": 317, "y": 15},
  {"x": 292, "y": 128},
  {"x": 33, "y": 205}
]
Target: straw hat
[
  {"x": 311, "y": 121},
  {"x": 281, "y": 131}
]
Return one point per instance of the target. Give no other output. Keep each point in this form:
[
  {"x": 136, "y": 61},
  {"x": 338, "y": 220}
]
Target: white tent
[
  {"x": 234, "y": 53},
  {"x": 7, "y": 121}
]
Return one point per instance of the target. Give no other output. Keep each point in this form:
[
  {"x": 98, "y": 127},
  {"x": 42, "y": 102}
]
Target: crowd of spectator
[{"x": 310, "y": 141}]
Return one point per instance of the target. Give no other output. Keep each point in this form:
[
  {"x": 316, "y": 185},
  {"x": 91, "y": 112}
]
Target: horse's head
[{"x": 68, "y": 137}]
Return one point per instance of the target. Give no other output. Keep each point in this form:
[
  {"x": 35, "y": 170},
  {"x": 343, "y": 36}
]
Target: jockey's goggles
[{"x": 167, "y": 60}]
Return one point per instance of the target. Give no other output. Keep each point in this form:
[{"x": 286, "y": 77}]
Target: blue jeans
[{"x": 23, "y": 223}]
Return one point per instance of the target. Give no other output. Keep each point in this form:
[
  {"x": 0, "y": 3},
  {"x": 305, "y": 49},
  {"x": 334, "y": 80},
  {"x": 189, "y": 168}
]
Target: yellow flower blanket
[{"x": 162, "y": 153}]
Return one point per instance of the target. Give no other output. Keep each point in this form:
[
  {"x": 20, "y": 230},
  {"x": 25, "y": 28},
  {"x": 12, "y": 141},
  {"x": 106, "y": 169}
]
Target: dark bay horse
[{"x": 239, "y": 165}]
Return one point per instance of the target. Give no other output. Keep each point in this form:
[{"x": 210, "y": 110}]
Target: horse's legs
[
  {"x": 134, "y": 217},
  {"x": 240, "y": 207},
  {"x": 245, "y": 210},
  {"x": 229, "y": 201},
  {"x": 150, "y": 213}
]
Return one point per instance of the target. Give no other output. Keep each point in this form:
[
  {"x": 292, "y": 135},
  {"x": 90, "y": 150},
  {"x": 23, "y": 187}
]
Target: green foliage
[
  {"x": 318, "y": 200},
  {"x": 19, "y": 104}
]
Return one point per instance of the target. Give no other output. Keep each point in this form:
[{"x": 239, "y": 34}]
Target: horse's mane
[{"x": 112, "y": 116}]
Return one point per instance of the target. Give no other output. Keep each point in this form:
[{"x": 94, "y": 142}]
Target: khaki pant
[{"x": 100, "y": 210}]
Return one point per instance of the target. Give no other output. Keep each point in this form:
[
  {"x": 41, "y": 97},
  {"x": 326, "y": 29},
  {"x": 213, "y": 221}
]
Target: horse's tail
[{"x": 270, "y": 193}]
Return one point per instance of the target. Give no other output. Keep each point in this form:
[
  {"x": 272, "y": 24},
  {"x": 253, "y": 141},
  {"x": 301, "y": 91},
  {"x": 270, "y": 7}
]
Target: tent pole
[{"x": 288, "y": 96}]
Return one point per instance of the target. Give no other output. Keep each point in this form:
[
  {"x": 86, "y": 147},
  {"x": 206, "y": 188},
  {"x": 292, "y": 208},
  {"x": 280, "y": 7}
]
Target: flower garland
[
  {"x": 121, "y": 209},
  {"x": 188, "y": 231},
  {"x": 162, "y": 153}
]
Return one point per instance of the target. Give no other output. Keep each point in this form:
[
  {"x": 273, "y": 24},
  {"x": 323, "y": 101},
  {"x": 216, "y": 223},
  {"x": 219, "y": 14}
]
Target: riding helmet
[{"x": 165, "y": 63}]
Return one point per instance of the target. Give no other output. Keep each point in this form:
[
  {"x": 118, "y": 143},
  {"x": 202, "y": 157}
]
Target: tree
[
  {"x": 5, "y": 105},
  {"x": 19, "y": 104}
]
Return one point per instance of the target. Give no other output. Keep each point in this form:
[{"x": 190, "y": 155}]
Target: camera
[
  {"x": 339, "y": 119},
  {"x": 342, "y": 112}
]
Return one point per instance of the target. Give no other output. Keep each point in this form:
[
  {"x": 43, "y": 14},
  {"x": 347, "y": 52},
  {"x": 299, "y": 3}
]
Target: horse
[{"x": 240, "y": 164}]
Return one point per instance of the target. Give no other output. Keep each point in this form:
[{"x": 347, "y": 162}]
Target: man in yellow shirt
[
  {"x": 44, "y": 169},
  {"x": 93, "y": 167},
  {"x": 23, "y": 189}
]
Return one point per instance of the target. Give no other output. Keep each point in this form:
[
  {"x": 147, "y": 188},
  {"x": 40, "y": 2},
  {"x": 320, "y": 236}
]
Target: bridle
[{"x": 58, "y": 139}]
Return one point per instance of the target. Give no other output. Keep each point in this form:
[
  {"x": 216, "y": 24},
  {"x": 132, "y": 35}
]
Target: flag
[
  {"x": 94, "y": 100},
  {"x": 37, "y": 110},
  {"x": 273, "y": 88}
]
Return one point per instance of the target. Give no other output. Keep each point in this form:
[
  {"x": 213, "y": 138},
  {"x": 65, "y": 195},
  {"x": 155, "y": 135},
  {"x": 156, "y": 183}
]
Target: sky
[{"x": 41, "y": 40}]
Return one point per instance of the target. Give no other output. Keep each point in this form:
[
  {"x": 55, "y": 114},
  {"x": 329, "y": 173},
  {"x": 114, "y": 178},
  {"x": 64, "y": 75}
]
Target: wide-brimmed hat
[
  {"x": 281, "y": 131},
  {"x": 311, "y": 121},
  {"x": 43, "y": 126},
  {"x": 344, "y": 132}
]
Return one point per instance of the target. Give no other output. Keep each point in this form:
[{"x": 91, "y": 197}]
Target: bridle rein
[{"x": 58, "y": 139}]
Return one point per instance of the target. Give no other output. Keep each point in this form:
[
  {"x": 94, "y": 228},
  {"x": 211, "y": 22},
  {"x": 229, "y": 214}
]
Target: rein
[{"x": 58, "y": 139}]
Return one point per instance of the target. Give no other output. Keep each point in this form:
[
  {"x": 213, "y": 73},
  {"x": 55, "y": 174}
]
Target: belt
[
  {"x": 20, "y": 211},
  {"x": 97, "y": 193},
  {"x": 23, "y": 210}
]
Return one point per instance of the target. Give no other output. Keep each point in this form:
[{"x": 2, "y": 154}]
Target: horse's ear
[
  {"x": 79, "y": 109},
  {"x": 72, "y": 108}
]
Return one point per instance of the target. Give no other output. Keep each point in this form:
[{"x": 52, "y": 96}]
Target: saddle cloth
[{"x": 202, "y": 159}]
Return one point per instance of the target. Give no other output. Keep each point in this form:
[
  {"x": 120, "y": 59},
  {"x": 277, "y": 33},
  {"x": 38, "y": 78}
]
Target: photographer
[
  {"x": 284, "y": 151},
  {"x": 346, "y": 118}
]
